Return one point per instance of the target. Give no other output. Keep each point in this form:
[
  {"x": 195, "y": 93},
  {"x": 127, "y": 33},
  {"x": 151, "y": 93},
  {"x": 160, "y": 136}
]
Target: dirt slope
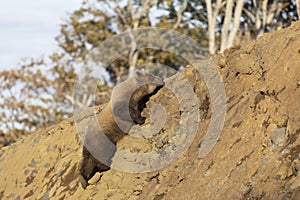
[{"x": 256, "y": 157}]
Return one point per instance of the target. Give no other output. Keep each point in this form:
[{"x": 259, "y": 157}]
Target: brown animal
[{"x": 115, "y": 120}]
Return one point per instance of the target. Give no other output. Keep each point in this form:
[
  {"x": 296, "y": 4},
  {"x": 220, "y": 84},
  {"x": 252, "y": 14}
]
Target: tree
[
  {"x": 35, "y": 96},
  {"x": 39, "y": 92},
  {"x": 227, "y": 20},
  {"x": 227, "y": 39},
  {"x": 265, "y": 16},
  {"x": 298, "y": 7}
]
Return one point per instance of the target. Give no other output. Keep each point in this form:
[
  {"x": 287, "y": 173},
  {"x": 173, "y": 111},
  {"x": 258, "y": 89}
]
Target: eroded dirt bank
[{"x": 256, "y": 157}]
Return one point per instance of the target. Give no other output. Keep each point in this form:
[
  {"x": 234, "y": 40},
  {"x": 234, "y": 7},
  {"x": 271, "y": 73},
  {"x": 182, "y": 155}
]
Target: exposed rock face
[{"x": 257, "y": 155}]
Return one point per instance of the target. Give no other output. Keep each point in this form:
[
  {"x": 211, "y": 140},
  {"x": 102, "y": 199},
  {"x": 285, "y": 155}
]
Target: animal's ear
[{"x": 140, "y": 73}]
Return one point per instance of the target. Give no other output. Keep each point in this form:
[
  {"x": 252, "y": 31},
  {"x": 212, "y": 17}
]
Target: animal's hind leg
[{"x": 87, "y": 168}]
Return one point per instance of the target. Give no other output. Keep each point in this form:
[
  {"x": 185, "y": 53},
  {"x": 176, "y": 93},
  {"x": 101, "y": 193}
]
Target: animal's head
[{"x": 149, "y": 80}]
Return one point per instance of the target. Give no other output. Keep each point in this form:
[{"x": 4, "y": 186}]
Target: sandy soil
[{"x": 256, "y": 157}]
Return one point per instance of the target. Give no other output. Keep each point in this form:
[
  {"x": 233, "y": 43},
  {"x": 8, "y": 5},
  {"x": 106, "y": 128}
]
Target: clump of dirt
[{"x": 256, "y": 157}]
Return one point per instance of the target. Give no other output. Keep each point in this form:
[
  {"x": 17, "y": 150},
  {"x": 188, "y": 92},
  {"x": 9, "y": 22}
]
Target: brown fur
[{"x": 133, "y": 93}]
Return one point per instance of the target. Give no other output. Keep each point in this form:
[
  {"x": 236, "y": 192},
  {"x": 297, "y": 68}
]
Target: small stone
[
  {"x": 278, "y": 176},
  {"x": 277, "y": 138}
]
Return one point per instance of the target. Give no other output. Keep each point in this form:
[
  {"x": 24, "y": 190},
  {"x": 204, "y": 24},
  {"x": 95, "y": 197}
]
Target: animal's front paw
[
  {"x": 83, "y": 182},
  {"x": 140, "y": 120}
]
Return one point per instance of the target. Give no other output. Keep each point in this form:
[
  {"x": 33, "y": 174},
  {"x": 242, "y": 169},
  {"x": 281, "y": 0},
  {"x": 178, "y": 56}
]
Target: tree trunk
[
  {"x": 236, "y": 22},
  {"x": 225, "y": 28},
  {"x": 212, "y": 20},
  {"x": 298, "y": 8},
  {"x": 211, "y": 32}
]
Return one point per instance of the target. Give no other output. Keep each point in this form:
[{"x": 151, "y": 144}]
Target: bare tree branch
[
  {"x": 133, "y": 55},
  {"x": 120, "y": 15},
  {"x": 136, "y": 18},
  {"x": 179, "y": 14},
  {"x": 145, "y": 7},
  {"x": 249, "y": 14}
]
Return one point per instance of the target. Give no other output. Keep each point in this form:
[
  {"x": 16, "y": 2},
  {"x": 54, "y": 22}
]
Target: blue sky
[{"x": 28, "y": 28}]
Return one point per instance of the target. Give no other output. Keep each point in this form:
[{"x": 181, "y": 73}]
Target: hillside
[{"x": 256, "y": 157}]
